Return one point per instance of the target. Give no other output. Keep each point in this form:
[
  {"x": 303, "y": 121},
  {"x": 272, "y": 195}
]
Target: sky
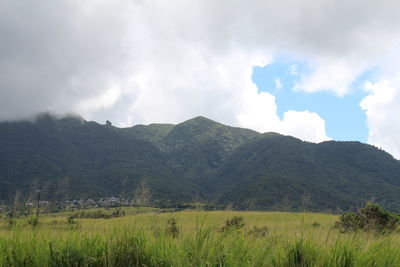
[{"x": 314, "y": 69}]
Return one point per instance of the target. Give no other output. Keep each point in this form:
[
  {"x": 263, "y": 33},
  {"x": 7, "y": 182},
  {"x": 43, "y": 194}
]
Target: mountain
[
  {"x": 197, "y": 147},
  {"x": 283, "y": 172},
  {"x": 153, "y": 133},
  {"x": 70, "y": 158}
]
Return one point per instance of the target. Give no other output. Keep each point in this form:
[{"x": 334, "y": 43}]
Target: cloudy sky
[{"x": 314, "y": 69}]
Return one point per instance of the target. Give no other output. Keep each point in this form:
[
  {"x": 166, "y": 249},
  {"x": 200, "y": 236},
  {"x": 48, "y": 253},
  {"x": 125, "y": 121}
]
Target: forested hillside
[
  {"x": 70, "y": 158},
  {"x": 285, "y": 172}
]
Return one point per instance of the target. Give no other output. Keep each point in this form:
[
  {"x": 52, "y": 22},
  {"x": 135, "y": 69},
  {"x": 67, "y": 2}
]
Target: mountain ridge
[{"x": 69, "y": 157}]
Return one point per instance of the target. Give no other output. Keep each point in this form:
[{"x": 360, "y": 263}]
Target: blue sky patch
[{"x": 344, "y": 119}]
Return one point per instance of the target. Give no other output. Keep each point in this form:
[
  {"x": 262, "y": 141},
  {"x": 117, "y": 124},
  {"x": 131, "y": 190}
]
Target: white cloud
[
  {"x": 106, "y": 100},
  {"x": 305, "y": 125},
  {"x": 330, "y": 75},
  {"x": 382, "y": 109},
  {"x": 56, "y": 54},
  {"x": 166, "y": 61},
  {"x": 278, "y": 83}
]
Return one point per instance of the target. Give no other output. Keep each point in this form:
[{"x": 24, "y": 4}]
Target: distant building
[{"x": 44, "y": 203}]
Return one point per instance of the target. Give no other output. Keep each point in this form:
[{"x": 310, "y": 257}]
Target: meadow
[{"x": 193, "y": 238}]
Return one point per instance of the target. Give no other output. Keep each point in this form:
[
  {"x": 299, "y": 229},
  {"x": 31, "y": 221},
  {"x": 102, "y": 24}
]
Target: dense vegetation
[
  {"x": 69, "y": 158},
  {"x": 285, "y": 172},
  {"x": 198, "y": 160},
  {"x": 195, "y": 238},
  {"x": 371, "y": 218}
]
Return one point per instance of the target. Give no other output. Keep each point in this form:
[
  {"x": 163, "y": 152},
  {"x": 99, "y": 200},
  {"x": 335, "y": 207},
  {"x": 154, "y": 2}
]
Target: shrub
[
  {"x": 316, "y": 224},
  {"x": 235, "y": 223},
  {"x": 10, "y": 219},
  {"x": 34, "y": 221},
  {"x": 172, "y": 228},
  {"x": 301, "y": 253},
  {"x": 258, "y": 231},
  {"x": 72, "y": 224},
  {"x": 348, "y": 221},
  {"x": 342, "y": 254},
  {"x": 371, "y": 218},
  {"x": 99, "y": 214}
]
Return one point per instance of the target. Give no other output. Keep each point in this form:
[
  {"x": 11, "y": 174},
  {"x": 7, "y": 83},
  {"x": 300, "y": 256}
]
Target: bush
[
  {"x": 172, "y": 227},
  {"x": 235, "y": 223},
  {"x": 258, "y": 231},
  {"x": 99, "y": 214},
  {"x": 10, "y": 219},
  {"x": 34, "y": 220},
  {"x": 72, "y": 224},
  {"x": 371, "y": 218},
  {"x": 301, "y": 253},
  {"x": 316, "y": 224}
]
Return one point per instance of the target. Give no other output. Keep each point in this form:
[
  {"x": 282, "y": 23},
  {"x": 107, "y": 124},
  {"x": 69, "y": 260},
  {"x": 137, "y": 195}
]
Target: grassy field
[{"x": 193, "y": 238}]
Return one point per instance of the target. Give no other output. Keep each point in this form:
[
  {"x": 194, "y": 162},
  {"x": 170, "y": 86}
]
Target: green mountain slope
[
  {"x": 198, "y": 147},
  {"x": 194, "y": 148},
  {"x": 153, "y": 133},
  {"x": 275, "y": 171},
  {"x": 70, "y": 158}
]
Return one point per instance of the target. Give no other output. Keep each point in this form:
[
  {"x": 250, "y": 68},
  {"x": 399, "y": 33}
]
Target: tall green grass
[{"x": 144, "y": 240}]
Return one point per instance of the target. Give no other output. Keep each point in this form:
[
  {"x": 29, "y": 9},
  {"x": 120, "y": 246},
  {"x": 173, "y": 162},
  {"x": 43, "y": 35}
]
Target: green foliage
[
  {"x": 172, "y": 227},
  {"x": 301, "y": 253},
  {"x": 98, "y": 214},
  {"x": 272, "y": 168},
  {"x": 343, "y": 254},
  {"x": 154, "y": 133},
  {"x": 69, "y": 158},
  {"x": 198, "y": 147},
  {"x": 33, "y": 220},
  {"x": 316, "y": 224},
  {"x": 234, "y": 223},
  {"x": 142, "y": 197},
  {"x": 10, "y": 219},
  {"x": 258, "y": 232},
  {"x": 371, "y": 218},
  {"x": 72, "y": 224},
  {"x": 71, "y": 220},
  {"x": 130, "y": 241}
]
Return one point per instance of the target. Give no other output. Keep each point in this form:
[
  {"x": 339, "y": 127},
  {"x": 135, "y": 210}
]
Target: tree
[
  {"x": 371, "y": 218},
  {"x": 17, "y": 203},
  {"x": 305, "y": 201},
  {"x": 142, "y": 194}
]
